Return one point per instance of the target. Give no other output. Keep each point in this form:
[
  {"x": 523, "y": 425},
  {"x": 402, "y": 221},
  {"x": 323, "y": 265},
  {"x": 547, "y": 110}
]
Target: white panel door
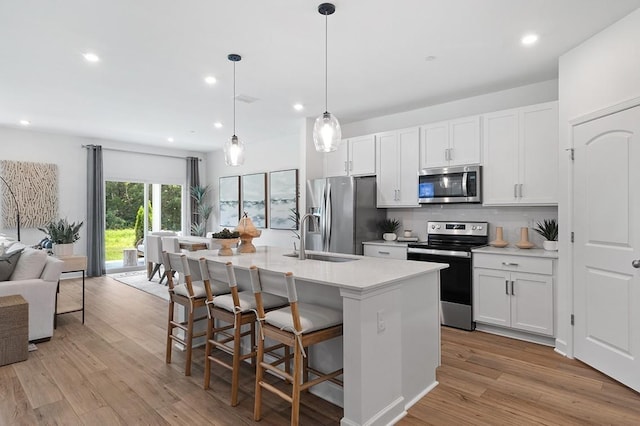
[
  {"x": 335, "y": 163},
  {"x": 362, "y": 156},
  {"x": 539, "y": 154},
  {"x": 387, "y": 169},
  {"x": 434, "y": 145},
  {"x": 500, "y": 172},
  {"x": 409, "y": 146},
  {"x": 464, "y": 141},
  {"x": 607, "y": 245}
]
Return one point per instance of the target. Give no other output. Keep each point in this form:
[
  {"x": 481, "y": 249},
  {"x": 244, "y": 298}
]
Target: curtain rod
[{"x": 140, "y": 152}]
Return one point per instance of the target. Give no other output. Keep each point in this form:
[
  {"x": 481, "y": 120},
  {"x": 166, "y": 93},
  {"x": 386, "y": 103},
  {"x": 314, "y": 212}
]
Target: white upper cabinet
[
  {"x": 521, "y": 156},
  {"x": 451, "y": 143},
  {"x": 354, "y": 157},
  {"x": 397, "y": 168}
]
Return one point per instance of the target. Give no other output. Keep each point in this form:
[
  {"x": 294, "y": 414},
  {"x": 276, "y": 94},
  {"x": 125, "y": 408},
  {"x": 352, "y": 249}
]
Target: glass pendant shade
[
  {"x": 326, "y": 133},
  {"x": 234, "y": 152}
]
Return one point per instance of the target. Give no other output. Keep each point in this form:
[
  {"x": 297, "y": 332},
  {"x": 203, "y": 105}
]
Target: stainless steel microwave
[{"x": 460, "y": 184}]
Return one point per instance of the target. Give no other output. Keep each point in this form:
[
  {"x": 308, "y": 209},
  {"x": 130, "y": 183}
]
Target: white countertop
[
  {"x": 365, "y": 273},
  {"x": 515, "y": 251},
  {"x": 388, "y": 243}
]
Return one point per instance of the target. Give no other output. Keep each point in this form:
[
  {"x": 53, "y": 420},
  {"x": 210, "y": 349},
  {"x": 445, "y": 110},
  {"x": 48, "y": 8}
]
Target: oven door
[{"x": 455, "y": 285}]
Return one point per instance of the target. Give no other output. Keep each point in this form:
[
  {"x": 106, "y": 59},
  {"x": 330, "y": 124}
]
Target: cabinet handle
[
  {"x": 513, "y": 293},
  {"x": 398, "y": 195},
  {"x": 450, "y": 154},
  {"x": 520, "y": 190},
  {"x": 350, "y": 165},
  {"x": 515, "y": 190},
  {"x": 345, "y": 166},
  {"x": 446, "y": 155},
  {"x": 506, "y": 287},
  {"x": 383, "y": 252},
  {"x": 509, "y": 264}
]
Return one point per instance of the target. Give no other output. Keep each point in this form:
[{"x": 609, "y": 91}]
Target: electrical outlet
[{"x": 381, "y": 324}]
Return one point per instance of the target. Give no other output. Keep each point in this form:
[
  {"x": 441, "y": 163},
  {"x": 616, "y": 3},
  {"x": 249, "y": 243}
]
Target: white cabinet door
[
  {"x": 409, "y": 150},
  {"x": 387, "y": 169},
  {"x": 464, "y": 141},
  {"x": 434, "y": 145},
  {"x": 362, "y": 156},
  {"x": 539, "y": 154},
  {"x": 336, "y": 162},
  {"x": 500, "y": 171},
  {"x": 521, "y": 156},
  {"x": 491, "y": 297},
  {"x": 532, "y": 303},
  {"x": 451, "y": 143}
]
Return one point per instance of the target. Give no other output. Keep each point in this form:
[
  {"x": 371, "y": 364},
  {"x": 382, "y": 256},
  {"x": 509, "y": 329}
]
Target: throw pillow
[
  {"x": 30, "y": 266},
  {"x": 8, "y": 263}
]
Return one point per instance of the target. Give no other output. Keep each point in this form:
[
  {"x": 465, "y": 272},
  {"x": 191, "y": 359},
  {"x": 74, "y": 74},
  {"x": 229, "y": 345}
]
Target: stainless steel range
[{"x": 451, "y": 242}]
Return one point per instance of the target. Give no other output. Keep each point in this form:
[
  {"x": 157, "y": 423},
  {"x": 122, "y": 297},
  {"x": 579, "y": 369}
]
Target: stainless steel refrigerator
[{"x": 346, "y": 207}]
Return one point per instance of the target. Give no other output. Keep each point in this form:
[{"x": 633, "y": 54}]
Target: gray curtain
[
  {"x": 193, "y": 179},
  {"x": 95, "y": 212}
]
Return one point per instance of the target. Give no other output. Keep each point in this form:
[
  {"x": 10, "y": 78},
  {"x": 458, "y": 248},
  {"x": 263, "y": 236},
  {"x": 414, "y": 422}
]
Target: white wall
[
  {"x": 67, "y": 153},
  {"x": 601, "y": 72},
  {"x": 260, "y": 157},
  {"x": 520, "y": 96}
]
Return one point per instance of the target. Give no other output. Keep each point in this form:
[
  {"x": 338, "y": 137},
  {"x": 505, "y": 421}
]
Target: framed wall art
[
  {"x": 229, "y": 201},
  {"x": 254, "y": 194},
  {"x": 283, "y": 199}
]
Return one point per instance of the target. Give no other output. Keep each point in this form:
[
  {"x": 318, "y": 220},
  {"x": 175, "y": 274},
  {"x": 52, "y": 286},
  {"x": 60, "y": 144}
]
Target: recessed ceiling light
[
  {"x": 298, "y": 107},
  {"x": 430, "y": 58},
  {"x": 25, "y": 122},
  {"x": 210, "y": 80},
  {"x": 529, "y": 39},
  {"x": 217, "y": 125},
  {"x": 170, "y": 139},
  {"x": 91, "y": 57}
]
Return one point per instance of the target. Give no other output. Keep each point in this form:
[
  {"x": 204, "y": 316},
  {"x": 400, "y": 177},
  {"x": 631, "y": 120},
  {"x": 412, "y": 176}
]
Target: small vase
[
  {"x": 550, "y": 245},
  {"x": 499, "y": 242},
  {"x": 389, "y": 236},
  {"x": 524, "y": 242}
]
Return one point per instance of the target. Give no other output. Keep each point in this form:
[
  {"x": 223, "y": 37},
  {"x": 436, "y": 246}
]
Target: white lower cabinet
[
  {"x": 388, "y": 251},
  {"x": 514, "y": 292}
]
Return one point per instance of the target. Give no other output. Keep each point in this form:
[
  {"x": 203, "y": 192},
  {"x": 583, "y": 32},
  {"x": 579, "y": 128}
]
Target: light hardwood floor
[{"x": 111, "y": 371}]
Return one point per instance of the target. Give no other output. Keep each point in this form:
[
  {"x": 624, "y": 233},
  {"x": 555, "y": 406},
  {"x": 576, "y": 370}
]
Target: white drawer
[
  {"x": 390, "y": 252},
  {"x": 536, "y": 265}
]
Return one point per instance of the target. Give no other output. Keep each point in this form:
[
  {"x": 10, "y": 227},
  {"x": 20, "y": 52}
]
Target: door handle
[
  {"x": 506, "y": 287},
  {"x": 636, "y": 263}
]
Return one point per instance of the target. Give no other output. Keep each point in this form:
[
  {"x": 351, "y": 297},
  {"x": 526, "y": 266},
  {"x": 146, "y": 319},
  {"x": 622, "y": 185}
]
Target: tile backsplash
[{"x": 510, "y": 218}]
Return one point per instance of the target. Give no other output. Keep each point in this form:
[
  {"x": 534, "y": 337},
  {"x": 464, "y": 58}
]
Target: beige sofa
[{"x": 35, "y": 277}]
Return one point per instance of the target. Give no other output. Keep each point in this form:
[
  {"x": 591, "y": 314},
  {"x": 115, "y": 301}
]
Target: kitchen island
[{"x": 391, "y": 344}]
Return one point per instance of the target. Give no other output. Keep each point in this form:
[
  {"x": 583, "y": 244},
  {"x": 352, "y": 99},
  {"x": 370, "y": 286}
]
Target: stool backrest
[
  {"x": 175, "y": 262},
  {"x": 275, "y": 283},
  {"x": 170, "y": 244},
  {"x": 153, "y": 249},
  {"x": 217, "y": 278}
]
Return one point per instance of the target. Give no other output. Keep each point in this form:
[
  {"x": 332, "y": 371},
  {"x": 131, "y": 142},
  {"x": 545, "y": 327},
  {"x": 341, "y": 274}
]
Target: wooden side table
[{"x": 72, "y": 264}]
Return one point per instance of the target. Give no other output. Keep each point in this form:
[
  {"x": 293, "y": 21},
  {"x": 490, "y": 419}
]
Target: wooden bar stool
[
  {"x": 189, "y": 294},
  {"x": 297, "y": 326},
  {"x": 234, "y": 309}
]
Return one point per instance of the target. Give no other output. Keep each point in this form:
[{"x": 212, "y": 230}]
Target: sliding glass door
[{"x": 128, "y": 222}]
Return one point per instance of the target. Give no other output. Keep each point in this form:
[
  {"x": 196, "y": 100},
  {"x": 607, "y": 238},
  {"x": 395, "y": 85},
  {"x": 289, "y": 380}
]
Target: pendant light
[
  {"x": 326, "y": 130},
  {"x": 234, "y": 148}
]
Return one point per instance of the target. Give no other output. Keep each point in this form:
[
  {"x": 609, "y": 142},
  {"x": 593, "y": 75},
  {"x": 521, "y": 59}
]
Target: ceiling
[{"x": 154, "y": 54}]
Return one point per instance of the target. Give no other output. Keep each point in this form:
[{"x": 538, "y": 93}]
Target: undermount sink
[{"x": 323, "y": 257}]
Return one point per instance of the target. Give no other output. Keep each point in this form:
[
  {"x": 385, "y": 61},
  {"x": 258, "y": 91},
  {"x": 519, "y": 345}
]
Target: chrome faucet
[{"x": 303, "y": 232}]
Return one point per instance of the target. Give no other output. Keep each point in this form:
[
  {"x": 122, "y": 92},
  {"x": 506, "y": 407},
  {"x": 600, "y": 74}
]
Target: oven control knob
[
  {"x": 433, "y": 227},
  {"x": 437, "y": 226},
  {"x": 473, "y": 228},
  {"x": 479, "y": 228}
]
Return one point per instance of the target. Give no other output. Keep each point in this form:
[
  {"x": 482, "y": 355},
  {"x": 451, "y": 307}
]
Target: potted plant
[
  {"x": 389, "y": 228},
  {"x": 62, "y": 234},
  {"x": 549, "y": 231}
]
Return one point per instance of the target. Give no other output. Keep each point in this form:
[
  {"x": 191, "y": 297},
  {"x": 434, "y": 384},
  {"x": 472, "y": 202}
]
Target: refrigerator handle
[{"x": 327, "y": 215}]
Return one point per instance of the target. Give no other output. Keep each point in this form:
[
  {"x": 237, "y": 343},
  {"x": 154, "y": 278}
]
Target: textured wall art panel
[{"x": 35, "y": 186}]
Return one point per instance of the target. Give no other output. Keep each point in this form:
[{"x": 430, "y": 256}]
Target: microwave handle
[{"x": 465, "y": 176}]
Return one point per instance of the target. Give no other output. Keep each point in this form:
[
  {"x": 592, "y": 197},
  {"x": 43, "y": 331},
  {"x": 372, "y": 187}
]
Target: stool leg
[
  {"x": 169, "y": 333},
  {"x": 189, "y": 342},
  {"x": 207, "y": 353},
  {"x": 235, "y": 372},
  {"x": 295, "y": 397},
  {"x": 305, "y": 368},
  {"x": 253, "y": 344},
  {"x": 257, "y": 408}
]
